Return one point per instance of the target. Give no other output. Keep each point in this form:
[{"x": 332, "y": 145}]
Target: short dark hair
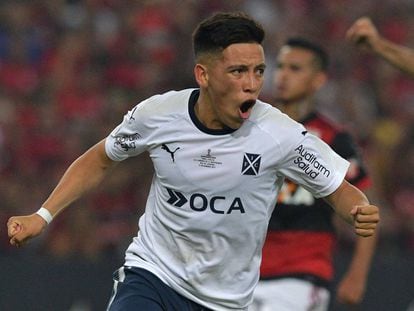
[
  {"x": 221, "y": 29},
  {"x": 321, "y": 56}
]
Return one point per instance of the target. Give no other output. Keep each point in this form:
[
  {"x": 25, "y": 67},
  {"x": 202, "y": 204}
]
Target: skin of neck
[
  {"x": 203, "y": 111},
  {"x": 298, "y": 110}
]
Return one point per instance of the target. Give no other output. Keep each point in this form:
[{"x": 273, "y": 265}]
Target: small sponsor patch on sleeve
[
  {"x": 309, "y": 163},
  {"x": 126, "y": 142}
]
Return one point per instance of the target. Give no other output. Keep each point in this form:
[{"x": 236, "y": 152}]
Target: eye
[
  {"x": 260, "y": 71},
  {"x": 295, "y": 68},
  {"x": 237, "y": 71}
]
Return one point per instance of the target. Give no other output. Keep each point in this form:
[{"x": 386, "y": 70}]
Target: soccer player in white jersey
[{"x": 219, "y": 155}]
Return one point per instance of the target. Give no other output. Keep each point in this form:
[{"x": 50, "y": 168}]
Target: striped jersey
[{"x": 213, "y": 192}]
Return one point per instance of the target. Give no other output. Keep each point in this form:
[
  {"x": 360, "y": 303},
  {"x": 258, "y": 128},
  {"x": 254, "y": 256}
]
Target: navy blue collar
[{"x": 191, "y": 104}]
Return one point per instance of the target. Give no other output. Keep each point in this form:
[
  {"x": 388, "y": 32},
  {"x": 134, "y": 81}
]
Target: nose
[
  {"x": 252, "y": 82},
  {"x": 280, "y": 74}
]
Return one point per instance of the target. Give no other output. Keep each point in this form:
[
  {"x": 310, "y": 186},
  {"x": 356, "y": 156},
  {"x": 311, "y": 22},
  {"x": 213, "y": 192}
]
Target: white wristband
[{"x": 45, "y": 214}]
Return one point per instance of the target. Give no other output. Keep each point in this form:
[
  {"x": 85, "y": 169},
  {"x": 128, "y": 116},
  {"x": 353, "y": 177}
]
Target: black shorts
[{"x": 138, "y": 289}]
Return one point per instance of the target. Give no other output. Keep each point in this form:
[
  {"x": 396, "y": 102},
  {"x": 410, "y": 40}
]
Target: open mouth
[
  {"x": 246, "y": 108},
  {"x": 247, "y": 105}
]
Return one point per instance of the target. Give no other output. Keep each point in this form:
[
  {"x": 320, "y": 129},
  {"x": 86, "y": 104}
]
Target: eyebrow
[{"x": 261, "y": 66}]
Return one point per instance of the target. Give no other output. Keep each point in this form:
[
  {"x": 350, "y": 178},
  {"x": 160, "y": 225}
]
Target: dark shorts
[{"x": 138, "y": 289}]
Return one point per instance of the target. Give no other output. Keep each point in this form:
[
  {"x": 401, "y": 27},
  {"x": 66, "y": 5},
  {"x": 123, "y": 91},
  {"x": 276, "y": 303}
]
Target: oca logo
[{"x": 199, "y": 202}]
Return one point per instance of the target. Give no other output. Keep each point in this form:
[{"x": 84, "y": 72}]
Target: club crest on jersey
[{"x": 251, "y": 164}]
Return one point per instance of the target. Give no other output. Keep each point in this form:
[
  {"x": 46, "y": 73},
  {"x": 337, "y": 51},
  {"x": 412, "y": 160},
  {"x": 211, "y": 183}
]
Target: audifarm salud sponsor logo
[
  {"x": 308, "y": 162},
  {"x": 126, "y": 142}
]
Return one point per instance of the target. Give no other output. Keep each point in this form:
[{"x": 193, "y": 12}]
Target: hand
[
  {"x": 363, "y": 33},
  {"x": 366, "y": 218},
  {"x": 22, "y": 228},
  {"x": 351, "y": 290}
]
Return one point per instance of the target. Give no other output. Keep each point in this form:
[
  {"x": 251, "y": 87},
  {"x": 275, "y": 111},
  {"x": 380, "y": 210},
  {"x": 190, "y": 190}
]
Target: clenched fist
[
  {"x": 366, "y": 218},
  {"x": 22, "y": 228}
]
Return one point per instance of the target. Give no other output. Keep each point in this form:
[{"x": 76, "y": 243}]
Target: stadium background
[{"x": 70, "y": 69}]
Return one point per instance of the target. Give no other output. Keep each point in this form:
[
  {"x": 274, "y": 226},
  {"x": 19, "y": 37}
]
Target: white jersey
[{"x": 213, "y": 192}]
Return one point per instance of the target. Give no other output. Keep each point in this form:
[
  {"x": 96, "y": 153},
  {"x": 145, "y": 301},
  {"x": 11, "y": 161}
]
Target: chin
[{"x": 281, "y": 101}]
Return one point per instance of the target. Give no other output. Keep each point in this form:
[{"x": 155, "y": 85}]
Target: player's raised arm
[
  {"x": 353, "y": 206},
  {"x": 364, "y": 34},
  {"x": 81, "y": 176}
]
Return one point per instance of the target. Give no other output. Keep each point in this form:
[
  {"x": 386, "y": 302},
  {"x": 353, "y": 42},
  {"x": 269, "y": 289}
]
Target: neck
[
  {"x": 298, "y": 110},
  {"x": 203, "y": 112}
]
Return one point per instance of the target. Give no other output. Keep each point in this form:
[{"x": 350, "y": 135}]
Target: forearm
[
  {"x": 397, "y": 55},
  {"x": 352, "y": 286},
  {"x": 345, "y": 198},
  {"x": 363, "y": 253},
  {"x": 82, "y": 175}
]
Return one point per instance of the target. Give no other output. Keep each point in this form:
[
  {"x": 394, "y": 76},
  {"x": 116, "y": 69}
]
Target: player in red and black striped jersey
[{"x": 297, "y": 263}]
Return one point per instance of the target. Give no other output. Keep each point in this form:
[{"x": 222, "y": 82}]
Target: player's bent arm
[
  {"x": 397, "y": 55},
  {"x": 352, "y": 286},
  {"x": 83, "y": 174},
  {"x": 364, "y": 34},
  {"x": 353, "y": 206}
]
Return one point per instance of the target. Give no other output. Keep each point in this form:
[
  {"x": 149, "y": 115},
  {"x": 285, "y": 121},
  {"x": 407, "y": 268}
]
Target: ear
[
  {"x": 201, "y": 75},
  {"x": 320, "y": 80}
]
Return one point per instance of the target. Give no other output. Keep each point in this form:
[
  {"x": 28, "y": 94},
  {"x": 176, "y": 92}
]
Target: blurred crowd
[{"x": 70, "y": 69}]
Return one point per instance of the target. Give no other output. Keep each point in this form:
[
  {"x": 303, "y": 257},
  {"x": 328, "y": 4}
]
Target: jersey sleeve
[
  {"x": 312, "y": 164},
  {"x": 131, "y": 137}
]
